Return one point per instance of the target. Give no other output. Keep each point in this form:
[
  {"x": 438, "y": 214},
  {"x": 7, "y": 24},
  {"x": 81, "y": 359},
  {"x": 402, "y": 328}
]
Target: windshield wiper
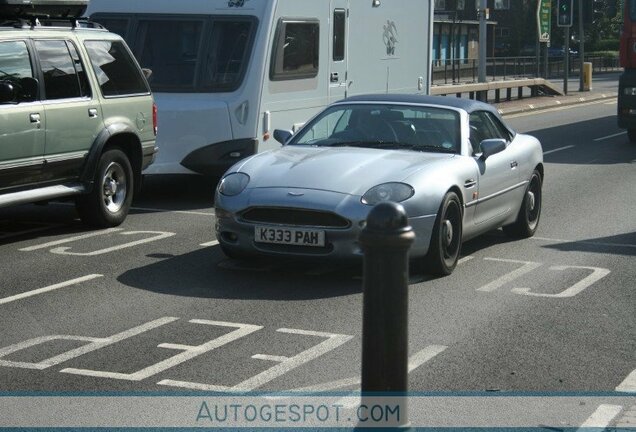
[
  {"x": 433, "y": 148},
  {"x": 345, "y": 144}
]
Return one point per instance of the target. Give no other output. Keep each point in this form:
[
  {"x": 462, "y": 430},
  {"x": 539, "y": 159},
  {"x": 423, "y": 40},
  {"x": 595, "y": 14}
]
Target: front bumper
[{"x": 236, "y": 234}]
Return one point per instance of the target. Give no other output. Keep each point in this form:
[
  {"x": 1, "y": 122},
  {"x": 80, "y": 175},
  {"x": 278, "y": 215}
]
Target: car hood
[{"x": 348, "y": 170}]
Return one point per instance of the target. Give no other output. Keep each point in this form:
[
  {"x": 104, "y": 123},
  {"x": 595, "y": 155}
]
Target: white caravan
[{"x": 226, "y": 73}]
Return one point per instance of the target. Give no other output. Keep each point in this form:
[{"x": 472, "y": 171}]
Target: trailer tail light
[{"x": 154, "y": 118}]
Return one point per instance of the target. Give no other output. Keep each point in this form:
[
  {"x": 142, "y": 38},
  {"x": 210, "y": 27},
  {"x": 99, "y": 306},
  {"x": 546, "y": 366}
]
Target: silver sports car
[{"x": 453, "y": 164}]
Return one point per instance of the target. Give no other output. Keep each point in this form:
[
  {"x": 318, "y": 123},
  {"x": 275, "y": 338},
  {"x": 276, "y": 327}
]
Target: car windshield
[{"x": 386, "y": 126}]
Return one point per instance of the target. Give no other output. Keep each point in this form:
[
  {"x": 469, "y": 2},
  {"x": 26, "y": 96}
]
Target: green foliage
[
  {"x": 604, "y": 45},
  {"x": 603, "y": 54}
]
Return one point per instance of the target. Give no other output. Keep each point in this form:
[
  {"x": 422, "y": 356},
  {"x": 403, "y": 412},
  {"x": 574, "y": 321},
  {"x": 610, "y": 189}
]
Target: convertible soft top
[{"x": 468, "y": 105}]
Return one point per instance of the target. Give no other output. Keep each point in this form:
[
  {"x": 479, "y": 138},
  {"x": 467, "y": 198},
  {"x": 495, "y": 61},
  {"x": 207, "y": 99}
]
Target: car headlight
[
  {"x": 233, "y": 184},
  {"x": 396, "y": 192}
]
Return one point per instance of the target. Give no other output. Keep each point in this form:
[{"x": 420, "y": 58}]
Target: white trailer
[{"x": 226, "y": 73}]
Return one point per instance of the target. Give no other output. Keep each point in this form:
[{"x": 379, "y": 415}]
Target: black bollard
[{"x": 385, "y": 241}]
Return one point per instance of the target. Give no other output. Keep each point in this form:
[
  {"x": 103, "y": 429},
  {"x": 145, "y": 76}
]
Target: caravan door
[{"x": 339, "y": 35}]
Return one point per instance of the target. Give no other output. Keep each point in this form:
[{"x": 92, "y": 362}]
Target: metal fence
[{"x": 504, "y": 68}]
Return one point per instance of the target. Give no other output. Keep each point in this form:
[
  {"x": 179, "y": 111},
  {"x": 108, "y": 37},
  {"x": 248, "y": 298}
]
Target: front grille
[{"x": 294, "y": 217}]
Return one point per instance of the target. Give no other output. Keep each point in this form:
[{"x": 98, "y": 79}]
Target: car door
[
  {"x": 339, "y": 28},
  {"x": 72, "y": 111},
  {"x": 22, "y": 119},
  {"x": 499, "y": 173}
]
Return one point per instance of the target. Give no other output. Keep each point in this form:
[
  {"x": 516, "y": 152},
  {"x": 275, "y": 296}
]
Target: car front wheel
[
  {"x": 530, "y": 211},
  {"x": 446, "y": 239},
  {"x": 108, "y": 202}
]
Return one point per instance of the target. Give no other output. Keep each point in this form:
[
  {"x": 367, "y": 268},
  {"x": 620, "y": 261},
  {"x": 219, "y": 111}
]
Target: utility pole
[
  {"x": 483, "y": 40},
  {"x": 581, "y": 47},
  {"x": 482, "y": 95}
]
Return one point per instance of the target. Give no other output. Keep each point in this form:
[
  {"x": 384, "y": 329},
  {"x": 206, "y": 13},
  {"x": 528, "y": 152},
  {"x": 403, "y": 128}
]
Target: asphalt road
[{"x": 154, "y": 305}]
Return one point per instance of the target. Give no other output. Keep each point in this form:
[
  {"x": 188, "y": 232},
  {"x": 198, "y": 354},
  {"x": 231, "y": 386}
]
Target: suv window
[
  {"x": 15, "y": 65},
  {"x": 116, "y": 71},
  {"x": 62, "y": 70}
]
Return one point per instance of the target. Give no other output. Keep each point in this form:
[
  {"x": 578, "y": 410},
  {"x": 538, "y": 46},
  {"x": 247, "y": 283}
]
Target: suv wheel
[{"x": 108, "y": 202}]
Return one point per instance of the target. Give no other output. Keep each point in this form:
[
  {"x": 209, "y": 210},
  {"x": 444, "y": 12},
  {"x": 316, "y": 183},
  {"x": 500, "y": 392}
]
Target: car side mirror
[
  {"x": 282, "y": 136},
  {"x": 490, "y": 147},
  {"x": 29, "y": 90},
  {"x": 7, "y": 92},
  {"x": 147, "y": 72}
]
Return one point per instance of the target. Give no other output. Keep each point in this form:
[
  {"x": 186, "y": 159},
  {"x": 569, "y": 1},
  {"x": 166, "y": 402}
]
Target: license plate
[{"x": 289, "y": 236}]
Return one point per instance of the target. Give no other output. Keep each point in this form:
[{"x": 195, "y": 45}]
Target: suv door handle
[
  {"x": 34, "y": 118},
  {"x": 513, "y": 164},
  {"x": 92, "y": 112},
  {"x": 335, "y": 77}
]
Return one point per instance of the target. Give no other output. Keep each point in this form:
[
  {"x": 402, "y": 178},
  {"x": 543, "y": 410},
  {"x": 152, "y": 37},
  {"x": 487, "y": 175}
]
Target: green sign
[{"x": 544, "y": 16}]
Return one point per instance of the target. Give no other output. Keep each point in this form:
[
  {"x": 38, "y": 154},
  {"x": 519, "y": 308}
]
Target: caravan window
[
  {"x": 187, "y": 53},
  {"x": 170, "y": 49},
  {"x": 295, "y": 54},
  {"x": 227, "y": 54},
  {"x": 339, "y": 26}
]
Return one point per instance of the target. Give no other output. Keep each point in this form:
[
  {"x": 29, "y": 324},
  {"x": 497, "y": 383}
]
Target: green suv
[{"x": 77, "y": 118}]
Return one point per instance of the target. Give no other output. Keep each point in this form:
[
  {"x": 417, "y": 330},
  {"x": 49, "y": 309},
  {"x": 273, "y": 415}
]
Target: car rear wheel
[
  {"x": 530, "y": 211},
  {"x": 446, "y": 239},
  {"x": 109, "y": 201}
]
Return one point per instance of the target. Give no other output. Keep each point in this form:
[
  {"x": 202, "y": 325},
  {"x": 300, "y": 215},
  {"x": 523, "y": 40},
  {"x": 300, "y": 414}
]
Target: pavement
[{"x": 604, "y": 86}]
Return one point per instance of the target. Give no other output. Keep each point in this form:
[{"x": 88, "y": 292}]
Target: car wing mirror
[
  {"x": 29, "y": 90},
  {"x": 7, "y": 92},
  {"x": 490, "y": 147},
  {"x": 282, "y": 136},
  {"x": 147, "y": 72}
]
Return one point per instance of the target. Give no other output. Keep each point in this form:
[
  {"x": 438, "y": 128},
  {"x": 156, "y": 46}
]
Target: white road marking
[
  {"x": 211, "y": 243},
  {"x": 159, "y": 236},
  {"x": 601, "y": 418},
  {"x": 422, "y": 356},
  {"x": 592, "y": 243},
  {"x": 333, "y": 341},
  {"x": 629, "y": 384},
  {"x": 611, "y": 136},
  {"x": 273, "y": 358},
  {"x": 153, "y": 210},
  {"x": 70, "y": 239},
  {"x": 159, "y": 210},
  {"x": 464, "y": 259},
  {"x": 559, "y": 108},
  {"x": 577, "y": 288},
  {"x": 611, "y": 103},
  {"x": 415, "y": 361},
  {"x": 189, "y": 353},
  {"x": 93, "y": 345},
  {"x": 41, "y": 227},
  {"x": 557, "y": 150},
  {"x": 527, "y": 267},
  {"x": 327, "y": 386},
  {"x": 48, "y": 288}
]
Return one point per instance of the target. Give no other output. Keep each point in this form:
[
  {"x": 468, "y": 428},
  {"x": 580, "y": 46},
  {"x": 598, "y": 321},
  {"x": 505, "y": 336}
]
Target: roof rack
[
  {"x": 33, "y": 10},
  {"x": 33, "y": 21}
]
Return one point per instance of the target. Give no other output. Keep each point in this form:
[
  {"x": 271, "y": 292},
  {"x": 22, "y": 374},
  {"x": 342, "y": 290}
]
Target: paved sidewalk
[{"x": 604, "y": 86}]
